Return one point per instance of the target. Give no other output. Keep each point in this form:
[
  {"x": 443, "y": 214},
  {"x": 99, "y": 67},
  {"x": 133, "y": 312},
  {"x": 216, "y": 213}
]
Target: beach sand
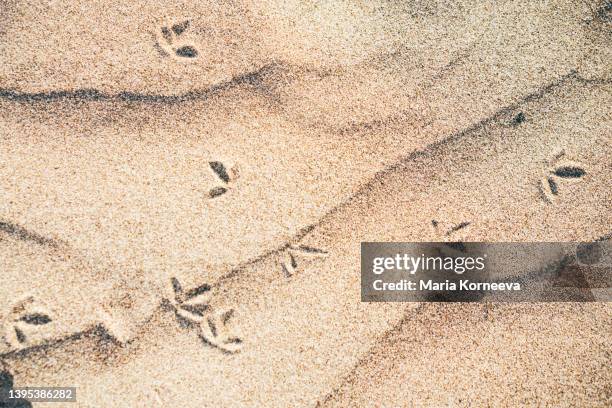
[{"x": 239, "y": 153}]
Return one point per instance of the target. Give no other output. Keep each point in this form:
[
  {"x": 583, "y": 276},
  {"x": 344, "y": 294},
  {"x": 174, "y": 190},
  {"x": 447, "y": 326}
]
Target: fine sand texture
[{"x": 184, "y": 190}]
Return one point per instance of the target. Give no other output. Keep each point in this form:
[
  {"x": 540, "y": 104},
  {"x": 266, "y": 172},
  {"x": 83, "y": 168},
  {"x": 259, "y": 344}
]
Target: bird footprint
[
  {"x": 23, "y": 318},
  {"x": 170, "y": 42},
  {"x": 192, "y": 308},
  {"x": 290, "y": 263},
  {"x": 225, "y": 175},
  {"x": 559, "y": 171}
]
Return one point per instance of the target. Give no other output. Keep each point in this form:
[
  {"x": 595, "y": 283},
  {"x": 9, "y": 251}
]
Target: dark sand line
[
  {"x": 22, "y": 234},
  {"x": 429, "y": 150},
  {"x": 377, "y": 179},
  {"x": 253, "y": 78},
  {"x": 110, "y": 344}
]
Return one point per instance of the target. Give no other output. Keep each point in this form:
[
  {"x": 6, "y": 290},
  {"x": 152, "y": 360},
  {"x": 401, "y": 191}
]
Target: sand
[{"x": 129, "y": 167}]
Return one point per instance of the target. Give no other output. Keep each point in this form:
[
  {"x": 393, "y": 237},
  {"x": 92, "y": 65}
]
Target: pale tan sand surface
[
  {"x": 340, "y": 63},
  {"x": 142, "y": 210},
  {"x": 229, "y": 158},
  {"x": 487, "y": 355},
  {"x": 303, "y": 334},
  {"x": 116, "y": 193}
]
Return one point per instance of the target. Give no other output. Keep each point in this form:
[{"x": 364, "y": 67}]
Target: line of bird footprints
[
  {"x": 559, "y": 171},
  {"x": 27, "y": 317},
  {"x": 192, "y": 308}
]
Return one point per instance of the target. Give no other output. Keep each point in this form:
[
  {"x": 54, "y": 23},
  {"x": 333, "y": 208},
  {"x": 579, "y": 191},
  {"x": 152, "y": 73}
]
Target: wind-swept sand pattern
[
  {"x": 500, "y": 355},
  {"x": 300, "y": 334},
  {"x": 184, "y": 188}
]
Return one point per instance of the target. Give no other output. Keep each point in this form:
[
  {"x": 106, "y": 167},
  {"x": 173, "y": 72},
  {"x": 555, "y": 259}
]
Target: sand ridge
[
  {"x": 185, "y": 186},
  {"x": 294, "y": 334}
]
